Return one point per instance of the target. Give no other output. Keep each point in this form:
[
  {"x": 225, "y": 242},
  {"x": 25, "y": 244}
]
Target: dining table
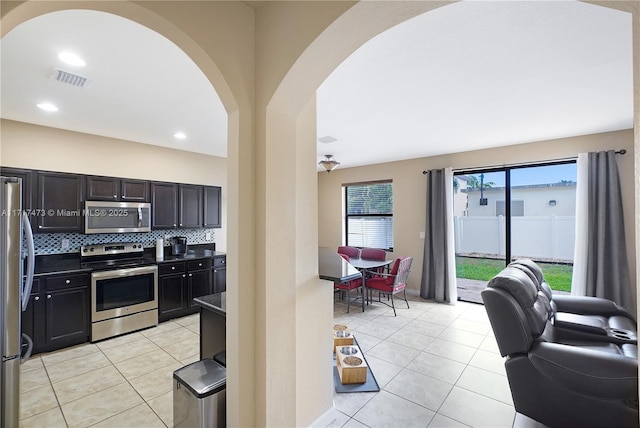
[{"x": 364, "y": 265}]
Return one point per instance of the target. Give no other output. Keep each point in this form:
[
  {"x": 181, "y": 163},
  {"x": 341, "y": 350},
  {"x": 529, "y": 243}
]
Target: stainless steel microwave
[{"x": 117, "y": 217}]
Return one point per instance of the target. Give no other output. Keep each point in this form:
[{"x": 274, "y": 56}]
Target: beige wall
[
  {"x": 409, "y": 186},
  {"x": 40, "y": 147}
]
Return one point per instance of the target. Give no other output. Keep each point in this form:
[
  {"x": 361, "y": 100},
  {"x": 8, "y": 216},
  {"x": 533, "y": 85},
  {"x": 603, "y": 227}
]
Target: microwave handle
[{"x": 139, "y": 217}]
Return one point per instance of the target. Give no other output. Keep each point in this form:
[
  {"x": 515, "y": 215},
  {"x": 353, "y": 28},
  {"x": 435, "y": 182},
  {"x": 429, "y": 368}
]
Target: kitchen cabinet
[
  {"x": 172, "y": 290},
  {"x": 164, "y": 205},
  {"x": 219, "y": 274},
  {"x": 59, "y": 202},
  {"x": 58, "y": 312},
  {"x": 178, "y": 283},
  {"x": 212, "y": 206},
  {"x": 190, "y": 206},
  {"x": 199, "y": 276},
  {"x": 132, "y": 190},
  {"x": 117, "y": 189}
]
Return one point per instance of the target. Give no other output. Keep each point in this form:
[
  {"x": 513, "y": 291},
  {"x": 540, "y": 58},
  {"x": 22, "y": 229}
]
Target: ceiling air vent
[{"x": 68, "y": 78}]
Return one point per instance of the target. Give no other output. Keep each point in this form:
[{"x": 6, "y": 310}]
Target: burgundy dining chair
[
  {"x": 348, "y": 286},
  {"x": 349, "y": 251},
  {"x": 374, "y": 254},
  {"x": 392, "y": 282}
]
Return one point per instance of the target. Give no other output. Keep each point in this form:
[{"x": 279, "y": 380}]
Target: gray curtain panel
[
  {"x": 435, "y": 276},
  {"x": 607, "y": 267}
]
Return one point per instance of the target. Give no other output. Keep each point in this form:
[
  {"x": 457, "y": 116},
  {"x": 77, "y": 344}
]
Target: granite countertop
[
  {"x": 216, "y": 302},
  {"x": 191, "y": 255},
  {"x": 58, "y": 263}
]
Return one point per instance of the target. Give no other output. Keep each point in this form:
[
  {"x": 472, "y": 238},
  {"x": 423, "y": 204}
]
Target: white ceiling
[{"x": 465, "y": 76}]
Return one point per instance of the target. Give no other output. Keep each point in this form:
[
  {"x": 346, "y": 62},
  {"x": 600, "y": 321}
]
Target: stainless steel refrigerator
[{"x": 14, "y": 295}]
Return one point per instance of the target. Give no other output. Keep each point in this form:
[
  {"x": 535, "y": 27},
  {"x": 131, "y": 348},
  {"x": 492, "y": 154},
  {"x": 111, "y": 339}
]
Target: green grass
[{"x": 558, "y": 276}]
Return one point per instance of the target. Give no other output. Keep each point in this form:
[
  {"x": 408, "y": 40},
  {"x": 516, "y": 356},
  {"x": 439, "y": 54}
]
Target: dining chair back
[
  {"x": 349, "y": 251},
  {"x": 347, "y": 287},
  {"x": 392, "y": 282},
  {"x": 374, "y": 254}
]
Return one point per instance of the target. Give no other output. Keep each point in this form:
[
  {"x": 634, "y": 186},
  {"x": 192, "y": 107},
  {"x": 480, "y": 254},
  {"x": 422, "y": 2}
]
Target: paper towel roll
[{"x": 160, "y": 249}]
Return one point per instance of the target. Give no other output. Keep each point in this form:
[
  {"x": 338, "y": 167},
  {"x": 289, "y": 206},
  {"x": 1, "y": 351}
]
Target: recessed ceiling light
[
  {"x": 71, "y": 59},
  {"x": 180, "y": 135},
  {"x": 47, "y": 106}
]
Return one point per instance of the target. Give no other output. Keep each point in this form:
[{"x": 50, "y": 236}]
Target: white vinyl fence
[{"x": 540, "y": 237}]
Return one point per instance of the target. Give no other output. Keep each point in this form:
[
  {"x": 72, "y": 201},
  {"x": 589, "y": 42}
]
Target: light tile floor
[
  {"x": 126, "y": 381},
  {"x": 437, "y": 365}
]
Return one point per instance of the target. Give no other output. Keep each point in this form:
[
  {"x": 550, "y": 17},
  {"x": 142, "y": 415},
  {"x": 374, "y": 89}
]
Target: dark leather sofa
[{"x": 566, "y": 375}]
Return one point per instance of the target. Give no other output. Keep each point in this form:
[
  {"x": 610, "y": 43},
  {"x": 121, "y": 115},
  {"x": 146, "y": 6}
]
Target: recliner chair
[
  {"x": 557, "y": 381},
  {"x": 591, "y": 318}
]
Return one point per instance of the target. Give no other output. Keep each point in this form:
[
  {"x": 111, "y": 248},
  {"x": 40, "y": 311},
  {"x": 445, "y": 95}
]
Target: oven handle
[{"x": 117, "y": 273}]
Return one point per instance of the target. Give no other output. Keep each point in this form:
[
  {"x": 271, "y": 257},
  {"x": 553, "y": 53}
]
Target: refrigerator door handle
[
  {"x": 26, "y": 291},
  {"x": 27, "y": 354}
]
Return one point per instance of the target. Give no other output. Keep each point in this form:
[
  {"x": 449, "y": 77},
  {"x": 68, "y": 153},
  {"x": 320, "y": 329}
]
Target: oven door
[{"x": 121, "y": 292}]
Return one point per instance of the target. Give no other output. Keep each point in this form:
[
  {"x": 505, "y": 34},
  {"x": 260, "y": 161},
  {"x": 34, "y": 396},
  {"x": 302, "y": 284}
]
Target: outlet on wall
[
  {"x": 421, "y": 235},
  {"x": 65, "y": 244},
  {"x": 208, "y": 236}
]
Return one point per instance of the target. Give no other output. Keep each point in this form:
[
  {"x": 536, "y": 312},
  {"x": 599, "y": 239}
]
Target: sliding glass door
[{"x": 514, "y": 212}]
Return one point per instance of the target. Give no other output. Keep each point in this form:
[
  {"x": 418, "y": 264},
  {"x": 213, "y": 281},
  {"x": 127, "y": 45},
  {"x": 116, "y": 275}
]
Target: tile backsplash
[{"x": 52, "y": 243}]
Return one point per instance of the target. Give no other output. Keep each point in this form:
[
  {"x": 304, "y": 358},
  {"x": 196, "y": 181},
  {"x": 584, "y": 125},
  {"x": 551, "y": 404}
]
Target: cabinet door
[
  {"x": 171, "y": 296},
  {"x": 102, "y": 188},
  {"x": 67, "y": 317},
  {"x": 212, "y": 206},
  {"x": 164, "y": 204},
  {"x": 190, "y": 206},
  {"x": 199, "y": 284},
  {"x": 219, "y": 280},
  {"x": 134, "y": 190},
  {"x": 60, "y": 198},
  {"x": 33, "y": 320}
]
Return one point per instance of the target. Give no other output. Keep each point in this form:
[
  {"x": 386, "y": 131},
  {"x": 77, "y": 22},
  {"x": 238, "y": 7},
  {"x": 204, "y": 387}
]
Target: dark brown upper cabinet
[
  {"x": 190, "y": 207},
  {"x": 102, "y": 188},
  {"x": 134, "y": 190},
  {"x": 212, "y": 206},
  {"x": 117, "y": 189},
  {"x": 59, "y": 202},
  {"x": 164, "y": 205}
]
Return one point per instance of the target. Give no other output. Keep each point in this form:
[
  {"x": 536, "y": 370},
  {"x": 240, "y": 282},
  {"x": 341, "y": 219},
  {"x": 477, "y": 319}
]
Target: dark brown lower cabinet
[
  {"x": 58, "y": 317},
  {"x": 171, "y": 296},
  {"x": 179, "y": 283}
]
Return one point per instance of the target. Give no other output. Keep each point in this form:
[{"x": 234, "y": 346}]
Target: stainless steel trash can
[{"x": 199, "y": 395}]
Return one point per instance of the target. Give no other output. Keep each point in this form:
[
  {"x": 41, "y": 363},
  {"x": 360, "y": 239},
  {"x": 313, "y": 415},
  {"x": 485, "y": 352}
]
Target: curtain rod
[{"x": 618, "y": 152}]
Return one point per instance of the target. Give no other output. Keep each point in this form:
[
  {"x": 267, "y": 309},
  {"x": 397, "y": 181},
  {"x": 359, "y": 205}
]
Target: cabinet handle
[
  {"x": 183, "y": 275},
  {"x": 180, "y": 224},
  {"x": 214, "y": 271},
  {"x": 190, "y": 274},
  {"x": 48, "y": 296},
  {"x": 115, "y": 196},
  {"x": 174, "y": 225},
  {"x": 36, "y": 298},
  {"x": 39, "y": 226},
  {"x": 173, "y": 268},
  {"x": 67, "y": 281},
  {"x": 200, "y": 264}
]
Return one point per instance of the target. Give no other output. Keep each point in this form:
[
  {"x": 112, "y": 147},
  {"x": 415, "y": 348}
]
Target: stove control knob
[
  {"x": 84, "y": 250},
  {"x": 91, "y": 249}
]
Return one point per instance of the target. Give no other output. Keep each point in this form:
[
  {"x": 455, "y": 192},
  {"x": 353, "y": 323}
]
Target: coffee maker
[{"x": 179, "y": 245}]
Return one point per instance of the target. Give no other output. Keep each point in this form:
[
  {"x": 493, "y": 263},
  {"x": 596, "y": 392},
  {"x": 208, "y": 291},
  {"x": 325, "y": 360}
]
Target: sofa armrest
[
  {"x": 588, "y": 306},
  {"x": 587, "y": 371}
]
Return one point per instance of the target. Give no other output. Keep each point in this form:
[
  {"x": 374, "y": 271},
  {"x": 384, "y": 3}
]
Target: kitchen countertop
[
  {"x": 216, "y": 302},
  {"x": 48, "y": 264},
  {"x": 191, "y": 255}
]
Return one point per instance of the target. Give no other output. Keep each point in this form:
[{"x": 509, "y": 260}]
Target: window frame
[{"x": 346, "y": 214}]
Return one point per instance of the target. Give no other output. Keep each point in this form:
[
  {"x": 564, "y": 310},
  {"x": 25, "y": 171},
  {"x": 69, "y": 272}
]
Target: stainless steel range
[{"x": 124, "y": 288}]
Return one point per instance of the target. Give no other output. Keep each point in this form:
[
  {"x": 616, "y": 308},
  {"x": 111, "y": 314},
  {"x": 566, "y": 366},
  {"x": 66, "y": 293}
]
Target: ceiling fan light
[{"x": 328, "y": 163}]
